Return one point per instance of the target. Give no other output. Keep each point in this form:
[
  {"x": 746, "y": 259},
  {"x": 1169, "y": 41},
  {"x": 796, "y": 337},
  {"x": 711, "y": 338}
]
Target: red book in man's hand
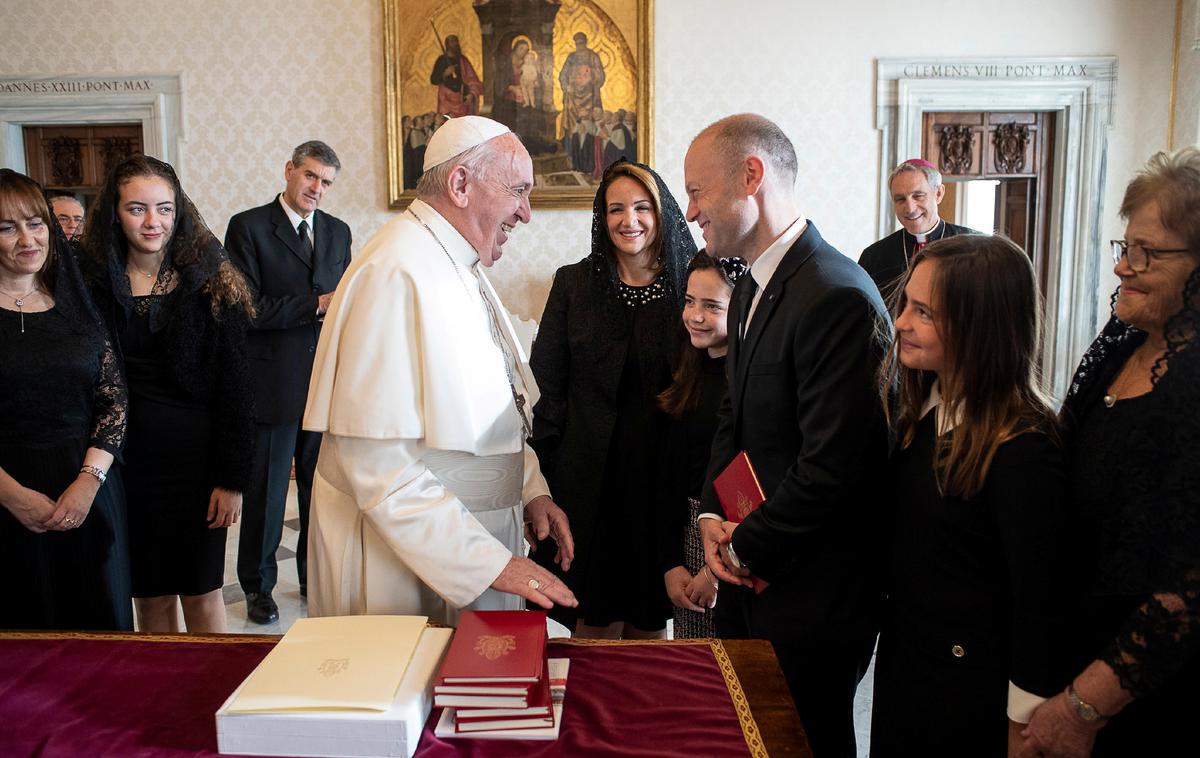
[
  {"x": 738, "y": 489},
  {"x": 740, "y": 493}
]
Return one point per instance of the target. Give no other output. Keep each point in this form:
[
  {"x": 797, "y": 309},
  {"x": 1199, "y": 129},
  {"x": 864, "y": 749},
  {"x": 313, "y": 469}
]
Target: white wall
[
  {"x": 260, "y": 77},
  {"x": 1187, "y": 95}
]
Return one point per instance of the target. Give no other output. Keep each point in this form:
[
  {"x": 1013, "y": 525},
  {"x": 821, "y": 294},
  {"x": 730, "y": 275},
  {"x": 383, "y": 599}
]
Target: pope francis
[{"x": 424, "y": 485}]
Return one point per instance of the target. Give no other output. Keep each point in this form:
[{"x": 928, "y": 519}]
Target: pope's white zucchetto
[{"x": 459, "y": 135}]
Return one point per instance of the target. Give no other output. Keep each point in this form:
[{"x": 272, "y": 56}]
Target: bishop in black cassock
[{"x": 887, "y": 260}]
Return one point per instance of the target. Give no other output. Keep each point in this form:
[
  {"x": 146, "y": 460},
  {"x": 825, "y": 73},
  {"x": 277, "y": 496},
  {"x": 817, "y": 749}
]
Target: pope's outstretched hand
[{"x": 525, "y": 578}]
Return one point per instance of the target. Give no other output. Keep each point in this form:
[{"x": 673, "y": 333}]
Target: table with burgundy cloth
[{"x": 79, "y": 693}]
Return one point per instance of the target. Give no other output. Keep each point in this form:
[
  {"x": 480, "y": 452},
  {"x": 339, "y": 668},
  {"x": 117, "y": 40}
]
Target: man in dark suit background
[
  {"x": 917, "y": 191},
  {"x": 804, "y": 343},
  {"x": 293, "y": 256}
]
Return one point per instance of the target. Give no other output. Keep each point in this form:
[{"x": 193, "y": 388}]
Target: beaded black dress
[
  {"x": 602, "y": 355},
  {"x": 63, "y": 393}
]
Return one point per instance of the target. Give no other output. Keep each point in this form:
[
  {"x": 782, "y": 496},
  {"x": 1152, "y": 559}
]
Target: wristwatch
[
  {"x": 1083, "y": 708},
  {"x": 732, "y": 555},
  {"x": 95, "y": 471}
]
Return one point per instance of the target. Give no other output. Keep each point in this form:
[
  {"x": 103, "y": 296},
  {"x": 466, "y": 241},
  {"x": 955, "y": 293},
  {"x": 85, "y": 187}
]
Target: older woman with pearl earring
[{"x": 1133, "y": 434}]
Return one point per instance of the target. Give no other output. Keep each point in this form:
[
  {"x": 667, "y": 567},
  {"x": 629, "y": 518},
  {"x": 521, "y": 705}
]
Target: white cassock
[{"x": 423, "y": 473}]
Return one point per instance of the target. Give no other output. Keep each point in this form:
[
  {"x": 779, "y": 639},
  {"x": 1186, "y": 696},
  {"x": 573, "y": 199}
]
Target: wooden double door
[
  {"x": 76, "y": 158},
  {"x": 1014, "y": 148}
]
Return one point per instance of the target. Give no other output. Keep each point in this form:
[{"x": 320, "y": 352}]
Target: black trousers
[
  {"x": 822, "y": 670},
  {"x": 264, "y": 500}
]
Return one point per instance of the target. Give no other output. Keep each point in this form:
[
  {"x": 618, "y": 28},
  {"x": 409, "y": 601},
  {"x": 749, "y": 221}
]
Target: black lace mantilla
[{"x": 677, "y": 246}]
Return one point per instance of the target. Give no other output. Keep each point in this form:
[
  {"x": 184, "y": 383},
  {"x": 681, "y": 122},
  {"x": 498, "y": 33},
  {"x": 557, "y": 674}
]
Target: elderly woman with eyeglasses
[{"x": 1132, "y": 417}]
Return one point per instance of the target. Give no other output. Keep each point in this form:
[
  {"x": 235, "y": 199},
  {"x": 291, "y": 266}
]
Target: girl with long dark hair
[
  {"x": 698, "y": 384},
  {"x": 974, "y": 579},
  {"x": 179, "y": 310}
]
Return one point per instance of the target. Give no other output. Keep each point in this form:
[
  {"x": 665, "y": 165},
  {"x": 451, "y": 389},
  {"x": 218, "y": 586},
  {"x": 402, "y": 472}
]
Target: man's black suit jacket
[
  {"x": 283, "y": 341},
  {"x": 802, "y": 402}
]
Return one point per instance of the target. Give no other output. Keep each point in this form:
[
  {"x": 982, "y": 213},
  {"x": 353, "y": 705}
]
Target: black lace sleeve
[
  {"x": 110, "y": 404},
  {"x": 1162, "y": 519},
  {"x": 1163, "y": 634},
  {"x": 1160, "y": 637}
]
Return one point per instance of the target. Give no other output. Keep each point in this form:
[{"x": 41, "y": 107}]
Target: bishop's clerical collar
[{"x": 934, "y": 234}]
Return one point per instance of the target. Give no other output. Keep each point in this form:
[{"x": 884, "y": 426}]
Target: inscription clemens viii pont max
[{"x": 995, "y": 70}]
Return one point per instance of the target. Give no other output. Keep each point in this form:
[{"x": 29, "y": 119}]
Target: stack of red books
[{"x": 496, "y": 675}]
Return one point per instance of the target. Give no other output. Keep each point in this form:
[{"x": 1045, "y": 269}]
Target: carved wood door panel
[
  {"x": 77, "y": 159},
  {"x": 987, "y": 145},
  {"x": 1017, "y": 148}
]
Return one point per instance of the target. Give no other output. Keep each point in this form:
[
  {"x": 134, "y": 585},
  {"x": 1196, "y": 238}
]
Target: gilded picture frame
[{"x": 573, "y": 78}]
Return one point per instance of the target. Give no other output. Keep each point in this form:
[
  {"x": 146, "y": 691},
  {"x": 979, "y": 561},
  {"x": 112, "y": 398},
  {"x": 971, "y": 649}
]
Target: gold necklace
[
  {"x": 139, "y": 270},
  {"x": 20, "y": 303}
]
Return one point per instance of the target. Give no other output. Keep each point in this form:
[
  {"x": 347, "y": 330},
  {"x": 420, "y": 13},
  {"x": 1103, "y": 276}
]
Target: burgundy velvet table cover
[{"x": 70, "y": 694}]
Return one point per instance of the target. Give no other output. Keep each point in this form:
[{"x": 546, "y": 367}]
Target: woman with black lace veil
[
  {"x": 179, "y": 311},
  {"x": 62, "y": 421},
  {"x": 602, "y": 355},
  {"x": 1133, "y": 429}
]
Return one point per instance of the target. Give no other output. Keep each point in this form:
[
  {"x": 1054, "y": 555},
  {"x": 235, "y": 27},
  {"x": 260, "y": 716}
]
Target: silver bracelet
[{"x": 95, "y": 471}]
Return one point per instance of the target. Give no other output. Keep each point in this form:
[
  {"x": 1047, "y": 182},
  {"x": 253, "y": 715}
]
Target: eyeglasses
[{"x": 1139, "y": 255}]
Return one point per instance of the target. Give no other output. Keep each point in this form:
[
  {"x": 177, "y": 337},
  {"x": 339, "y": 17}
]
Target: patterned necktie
[{"x": 306, "y": 238}]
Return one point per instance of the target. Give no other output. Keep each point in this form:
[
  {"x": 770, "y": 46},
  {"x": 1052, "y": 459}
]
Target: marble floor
[
  {"x": 287, "y": 591},
  {"x": 292, "y": 607}
]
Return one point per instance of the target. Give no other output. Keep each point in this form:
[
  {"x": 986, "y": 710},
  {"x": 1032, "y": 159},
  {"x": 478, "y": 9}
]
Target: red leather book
[
  {"x": 530, "y": 722},
  {"x": 740, "y": 493},
  {"x": 493, "y": 648},
  {"x": 738, "y": 488},
  {"x": 480, "y": 701},
  {"x": 539, "y": 706}
]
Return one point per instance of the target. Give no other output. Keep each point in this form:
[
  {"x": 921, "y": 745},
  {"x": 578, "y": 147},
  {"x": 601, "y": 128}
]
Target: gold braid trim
[
  {"x": 754, "y": 741},
  {"x": 136, "y": 637}
]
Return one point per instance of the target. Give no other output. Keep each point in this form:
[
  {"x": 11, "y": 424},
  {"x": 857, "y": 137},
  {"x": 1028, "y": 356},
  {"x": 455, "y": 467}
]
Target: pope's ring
[{"x": 535, "y": 584}]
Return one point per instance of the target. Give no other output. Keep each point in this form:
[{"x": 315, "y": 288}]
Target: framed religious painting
[{"x": 572, "y": 78}]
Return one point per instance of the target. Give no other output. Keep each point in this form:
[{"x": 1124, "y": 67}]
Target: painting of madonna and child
[{"x": 567, "y": 76}]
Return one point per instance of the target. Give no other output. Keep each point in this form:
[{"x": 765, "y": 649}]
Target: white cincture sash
[{"x": 481, "y": 482}]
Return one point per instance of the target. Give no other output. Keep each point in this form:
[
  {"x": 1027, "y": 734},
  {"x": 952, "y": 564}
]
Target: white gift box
[{"x": 343, "y": 733}]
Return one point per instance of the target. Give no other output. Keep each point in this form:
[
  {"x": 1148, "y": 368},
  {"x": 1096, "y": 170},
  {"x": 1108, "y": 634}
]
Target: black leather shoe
[{"x": 261, "y": 608}]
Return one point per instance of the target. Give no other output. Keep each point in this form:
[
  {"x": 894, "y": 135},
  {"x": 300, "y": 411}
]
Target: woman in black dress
[
  {"x": 698, "y": 384},
  {"x": 179, "y": 310},
  {"x": 602, "y": 355},
  {"x": 63, "y": 546},
  {"x": 975, "y": 573},
  {"x": 1132, "y": 417}
]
